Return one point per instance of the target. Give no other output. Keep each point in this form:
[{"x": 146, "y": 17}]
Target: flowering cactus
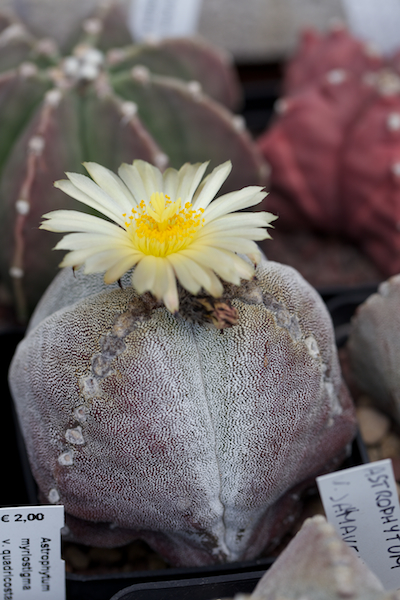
[
  {"x": 334, "y": 147},
  {"x": 109, "y": 101},
  {"x": 374, "y": 347},
  {"x": 176, "y": 407},
  {"x": 317, "y": 564}
]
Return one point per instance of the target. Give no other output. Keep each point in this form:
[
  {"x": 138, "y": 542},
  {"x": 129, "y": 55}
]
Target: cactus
[
  {"x": 196, "y": 431},
  {"x": 374, "y": 348},
  {"x": 334, "y": 148},
  {"x": 318, "y": 564},
  {"x": 105, "y": 100}
]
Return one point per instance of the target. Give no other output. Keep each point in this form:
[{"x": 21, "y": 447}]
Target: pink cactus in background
[{"x": 334, "y": 147}]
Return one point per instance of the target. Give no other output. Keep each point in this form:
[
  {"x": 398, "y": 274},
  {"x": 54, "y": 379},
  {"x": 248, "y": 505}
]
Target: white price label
[
  {"x": 375, "y": 22},
  {"x": 363, "y": 506},
  {"x": 161, "y": 19},
  {"x": 30, "y": 548}
]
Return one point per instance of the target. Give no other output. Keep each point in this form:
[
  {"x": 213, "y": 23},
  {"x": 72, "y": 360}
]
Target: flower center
[{"x": 163, "y": 227}]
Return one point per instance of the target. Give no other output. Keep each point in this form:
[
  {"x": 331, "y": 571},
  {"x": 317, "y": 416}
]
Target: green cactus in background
[{"x": 104, "y": 100}]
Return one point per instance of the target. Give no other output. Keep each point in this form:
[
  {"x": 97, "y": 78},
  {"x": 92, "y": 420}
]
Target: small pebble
[
  {"x": 390, "y": 446},
  {"x": 76, "y": 558},
  {"x": 107, "y": 556},
  {"x": 374, "y": 453},
  {"x": 373, "y": 425}
]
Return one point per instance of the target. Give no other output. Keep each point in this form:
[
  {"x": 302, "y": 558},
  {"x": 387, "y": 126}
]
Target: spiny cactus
[
  {"x": 109, "y": 101},
  {"x": 317, "y": 564},
  {"x": 374, "y": 347},
  {"x": 145, "y": 425},
  {"x": 334, "y": 148}
]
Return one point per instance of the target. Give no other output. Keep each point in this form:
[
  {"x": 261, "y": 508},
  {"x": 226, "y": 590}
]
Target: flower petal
[
  {"x": 133, "y": 181},
  {"x": 111, "y": 184},
  {"x": 184, "y": 273},
  {"x": 144, "y": 275},
  {"x": 203, "y": 276},
  {"x": 90, "y": 189},
  {"x": 234, "y": 201},
  {"x": 211, "y": 185},
  {"x": 103, "y": 261},
  {"x": 170, "y": 183},
  {"x": 151, "y": 178},
  {"x": 72, "y": 220},
  {"x": 220, "y": 261},
  {"x": 232, "y": 243},
  {"x": 122, "y": 266},
  {"x": 189, "y": 177},
  {"x": 79, "y": 241}
]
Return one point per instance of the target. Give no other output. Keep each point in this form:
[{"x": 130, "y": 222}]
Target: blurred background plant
[{"x": 168, "y": 102}]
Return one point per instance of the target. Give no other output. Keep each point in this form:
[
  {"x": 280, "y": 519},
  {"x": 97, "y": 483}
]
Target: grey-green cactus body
[
  {"x": 167, "y": 103},
  {"x": 374, "y": 347},
  {"x": 148, "y": 425}
]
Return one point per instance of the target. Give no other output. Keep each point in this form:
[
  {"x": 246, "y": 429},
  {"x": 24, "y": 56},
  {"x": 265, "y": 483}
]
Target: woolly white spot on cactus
[
  {"x": 312, "y": 346},
  {"x": 161, "y": 160},
  {"x": 65, "y": 530},
  {"x": 239, "y": 124},
  {"x": 70, "y": 66},
  {"x": 80, "y": 414},
  {"x": 67, "y": 458},
  {"x": 141, "y": 73},
  {"x": 16, "y": 272},
  {"x": 194, "y": 89},
  {"x": 336, "y": 76},
  {"x": 92, "y": 26},
  {"x": 27, "y": 69},
  {"x": 46, "y": 46},
  {"x": 89, "y": 386},
  {"x": 53, "y": 496},
  {"x": 129, "y": 109},
  {"x": 74, "y": 436},
  {"x": 395, "y": 168},
  {"x": 53, "y": 97},
  {"x": 12, "y": 32},
  {"x": 88, "y": 71},
  {"x": 281, "y": 106},
  {"x": 22, "y": 207},
  {"x": 115, "y": 56},
  {"x": 36, "y": 144},
  {"x": 93, "y": 56},
  {"x": 393, "y": 121}
]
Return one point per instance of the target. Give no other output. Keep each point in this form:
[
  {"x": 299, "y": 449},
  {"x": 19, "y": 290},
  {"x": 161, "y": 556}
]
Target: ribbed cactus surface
[
  {"x": 146, "y": 425},
  {"x": 374, "y": 346},
  {"x": 334, "y": 147},
  {"x": 317, "y": 564},
  {"x": 106, "y": 100}
]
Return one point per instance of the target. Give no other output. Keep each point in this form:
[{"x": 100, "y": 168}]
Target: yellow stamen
[{"x": 164, "y": 227}]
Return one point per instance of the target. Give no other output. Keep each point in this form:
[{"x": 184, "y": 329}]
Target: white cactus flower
[{"x": 166, "y": 225}]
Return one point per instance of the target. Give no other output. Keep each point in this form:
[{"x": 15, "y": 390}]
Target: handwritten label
[
  {"x": 362, "y": 504},
  {"x": 375, "y": 22},
  {"x": 30, "y": 545},
  {"x": 161, "y": 19}
]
